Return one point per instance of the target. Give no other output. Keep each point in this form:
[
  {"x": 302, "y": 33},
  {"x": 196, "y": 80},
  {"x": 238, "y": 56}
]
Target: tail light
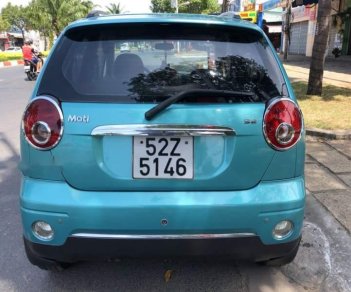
[
  {"x": 42, "y": 123},
  {"x": 282, "y": 124}
]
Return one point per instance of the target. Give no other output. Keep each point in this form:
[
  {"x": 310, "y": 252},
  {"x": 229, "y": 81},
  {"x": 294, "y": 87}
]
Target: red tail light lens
[
  {"x": 282, "y": 124},
  {"x": 42, "y": 123}
]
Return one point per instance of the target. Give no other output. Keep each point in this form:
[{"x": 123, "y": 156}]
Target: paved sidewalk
[
  {"x": 337, "y": 71},
  {"x": 328, "y": 176}
]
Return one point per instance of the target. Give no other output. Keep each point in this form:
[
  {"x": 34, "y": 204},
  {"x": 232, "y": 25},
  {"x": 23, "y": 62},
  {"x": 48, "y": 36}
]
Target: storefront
[
  {"x": 302, "y": 29},
  {"x": 345, "y": 31},
  {"x": 4, "y": 41},
  {"x": 298, "y": 35},
  {"x": 16, "y": 39},
  {"x": 271, "y": 11}
]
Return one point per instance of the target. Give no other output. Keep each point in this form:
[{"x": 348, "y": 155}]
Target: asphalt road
[{"x": 321, "y": 264}]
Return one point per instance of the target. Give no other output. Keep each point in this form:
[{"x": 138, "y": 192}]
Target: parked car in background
[
  {"x": 199, "y": 152},
  {"x": 13, "y": 50}
]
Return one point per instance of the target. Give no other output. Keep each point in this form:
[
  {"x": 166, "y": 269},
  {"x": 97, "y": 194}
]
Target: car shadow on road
[{"x": 186, "y": 274}]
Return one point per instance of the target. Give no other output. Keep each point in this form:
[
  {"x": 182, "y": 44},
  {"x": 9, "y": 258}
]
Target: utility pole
[
  {"x": 174, "y": 4},
  {"x": 287, "y": 29},
  {"x": 224, "y": 6}
]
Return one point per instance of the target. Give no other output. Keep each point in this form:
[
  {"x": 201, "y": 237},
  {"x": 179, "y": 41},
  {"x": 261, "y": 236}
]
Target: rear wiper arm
[{"x": 193, "y": 93}]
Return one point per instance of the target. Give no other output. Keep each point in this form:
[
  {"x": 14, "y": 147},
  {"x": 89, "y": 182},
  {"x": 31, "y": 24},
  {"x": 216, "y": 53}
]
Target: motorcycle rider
[{"x": 29, "y": 53}]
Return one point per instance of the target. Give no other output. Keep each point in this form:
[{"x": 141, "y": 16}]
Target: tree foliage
[
  {"x": 161, "y": 6},
  {"x": 199, "y": 6},
  {"x": 57, "y": 14},
  {"x": 186, "y": 6},
  {"x": 114, "y": 8},
  {"x": 16, "y": 17},
  {"x": 40, "y": 21},
  {"x": 4, "y": 24}
]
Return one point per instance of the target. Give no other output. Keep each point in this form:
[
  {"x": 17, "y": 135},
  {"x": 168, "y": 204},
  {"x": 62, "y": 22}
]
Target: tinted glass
[{"x": 150, "y": 62}]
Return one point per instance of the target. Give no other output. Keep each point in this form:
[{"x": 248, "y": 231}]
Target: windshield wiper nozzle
[{"x": 194, "y": 93}]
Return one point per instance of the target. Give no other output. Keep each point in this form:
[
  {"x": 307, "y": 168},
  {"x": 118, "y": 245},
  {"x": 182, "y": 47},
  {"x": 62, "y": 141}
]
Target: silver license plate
[{"x": 163, "y": 157}]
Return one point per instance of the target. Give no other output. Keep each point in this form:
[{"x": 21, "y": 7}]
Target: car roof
[{"x": 164, "y": 18}]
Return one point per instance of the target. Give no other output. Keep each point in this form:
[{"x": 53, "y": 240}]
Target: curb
[
  {"x": 11, "y": 63},
  {"x": 329, "y": 134}
]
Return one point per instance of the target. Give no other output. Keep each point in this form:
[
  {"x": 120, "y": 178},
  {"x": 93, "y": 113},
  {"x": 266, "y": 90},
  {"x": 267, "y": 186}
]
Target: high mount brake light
[
  {"x": 282, "y": 124},
  {"x": 42, "y": 123}
]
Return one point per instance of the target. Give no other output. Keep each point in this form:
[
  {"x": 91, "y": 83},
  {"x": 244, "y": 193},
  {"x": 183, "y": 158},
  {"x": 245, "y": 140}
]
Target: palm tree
[
  {"x": 315, "y": 80},
  {"x": 40, "y": 21},
  {"x": 62, "y": 12},
  {"x": 114, "y": 8}
]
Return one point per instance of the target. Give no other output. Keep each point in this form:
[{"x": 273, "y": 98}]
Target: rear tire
[
  {"x": 31, "y": 76},
  {"x": 281, "y": 261}
]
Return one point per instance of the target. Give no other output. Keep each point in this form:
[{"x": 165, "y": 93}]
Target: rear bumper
[
  {"x": 79, "y": 249},
  {"x": 70, "y": 212}
]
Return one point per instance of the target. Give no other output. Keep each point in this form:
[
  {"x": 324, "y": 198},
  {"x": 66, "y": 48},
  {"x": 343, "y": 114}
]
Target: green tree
[
  {"x": 40, "y": 21},
  {"x": 16, "y": 16},
  {"x": 114, "y": 8},
  {"x": 4, "y": 25},
  {"x": 59, "y": 13},
  {"x": 160, "y": 6},
  {"x": 315, "y": 80},
  {"x": 199, "y": 6},
  {"x": 186, "y": 6}
]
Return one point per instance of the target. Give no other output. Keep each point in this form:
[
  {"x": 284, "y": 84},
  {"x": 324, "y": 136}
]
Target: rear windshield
[{"x": 150, "y": 62}]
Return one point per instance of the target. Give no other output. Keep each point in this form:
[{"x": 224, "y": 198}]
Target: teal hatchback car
[{"x": 189, "y": 143}]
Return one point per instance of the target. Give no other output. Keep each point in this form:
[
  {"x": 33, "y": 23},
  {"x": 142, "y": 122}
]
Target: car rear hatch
[{"x": 202, "y": 142}]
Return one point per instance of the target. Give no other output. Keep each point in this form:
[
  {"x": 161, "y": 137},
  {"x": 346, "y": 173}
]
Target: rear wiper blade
[{"x": 193, "y": 93}]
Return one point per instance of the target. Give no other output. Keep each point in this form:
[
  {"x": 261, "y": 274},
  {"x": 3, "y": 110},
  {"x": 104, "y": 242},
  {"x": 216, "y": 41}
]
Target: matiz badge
[{"x": 78, "y": 119}]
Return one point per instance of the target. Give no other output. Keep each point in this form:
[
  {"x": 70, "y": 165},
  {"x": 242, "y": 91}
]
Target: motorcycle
[{"x": 30, "y": 68}]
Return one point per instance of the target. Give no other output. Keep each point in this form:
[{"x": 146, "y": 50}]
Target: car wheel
[{"x": 31, "y": 76}]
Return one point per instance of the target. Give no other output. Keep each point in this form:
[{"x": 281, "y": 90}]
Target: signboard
[
  {"x": 271, "y": 4},
  {"x": 303, "y": 2},
  {"x": 249, "y": 15},
  {"x": 248, "y": 5},
  {"x": 303, "y": 13}
]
